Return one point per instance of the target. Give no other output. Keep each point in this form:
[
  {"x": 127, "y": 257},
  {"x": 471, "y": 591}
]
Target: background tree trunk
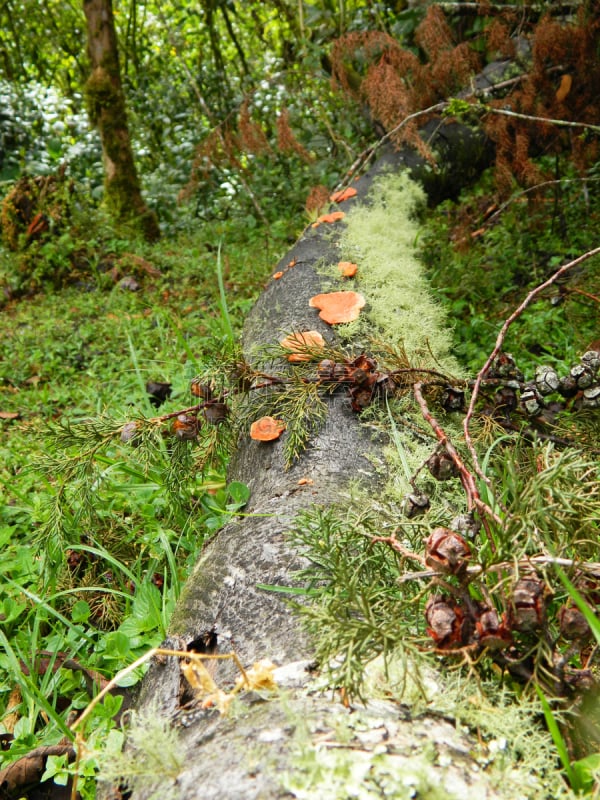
[{"x": 106, "y": 106}]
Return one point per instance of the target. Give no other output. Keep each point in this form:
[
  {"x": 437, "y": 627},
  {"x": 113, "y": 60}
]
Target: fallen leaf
[
  {"x": 27, "y": 770},
  {"x": 277, "y": 275},
  {"x": 201, "y": 681},
  {"x": 199, "y": 678},
  {"x": 260, "y": 676},
  {"x": 9, "y": 415},
  {"x": 344, "y": 194},
  {"x": 305, "y": 482}
]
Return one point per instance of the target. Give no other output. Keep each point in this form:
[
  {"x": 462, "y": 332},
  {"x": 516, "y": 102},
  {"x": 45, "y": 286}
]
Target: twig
[
  {"x": 466, "y": 477},
  {"x": 561, "y": 123},
  {"x": 498, "y": 346},
  {"x": 542, "y": 185},
  {"x": 589, "y": 567},
  {"x": 397, "y": 546},
  {"x": 574, "y": 290},
  {"x": 157, "y": 651},
  {"x": 370, "y": 151}
]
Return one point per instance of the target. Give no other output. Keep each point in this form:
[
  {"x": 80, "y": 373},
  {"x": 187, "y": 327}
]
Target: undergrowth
[
  {"x": 98, "y": 540},
  {"x": 484, "y": 255}
]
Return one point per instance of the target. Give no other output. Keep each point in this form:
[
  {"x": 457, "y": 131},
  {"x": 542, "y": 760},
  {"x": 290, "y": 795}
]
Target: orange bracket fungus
[
  {"x": 337, "y": 307},
  {"x": 333, "y": 217},
  {"x": 304, "y": 346},
  {"x": 344, "y": 194},
  {"x": 266, "y": 429},
  {"x": 347, "y": 269}
]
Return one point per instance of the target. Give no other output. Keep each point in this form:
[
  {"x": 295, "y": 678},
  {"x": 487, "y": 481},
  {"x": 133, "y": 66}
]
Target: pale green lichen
[
  {"x": 381, "y": 238},
  {"x": 383, "y": 749},
  {"x": 518, "y": 754},
  {"x": 153, "y": 759}
]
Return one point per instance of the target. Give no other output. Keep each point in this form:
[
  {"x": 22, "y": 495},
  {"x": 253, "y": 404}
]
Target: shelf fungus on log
[
  {"x": 337, "y": 307},
  {"x": 303, "y": 346},
  {"x": 266, "y": 429}
]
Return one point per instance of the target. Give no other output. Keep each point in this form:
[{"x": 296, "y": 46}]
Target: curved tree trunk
[{"x": 106, "y": 107}]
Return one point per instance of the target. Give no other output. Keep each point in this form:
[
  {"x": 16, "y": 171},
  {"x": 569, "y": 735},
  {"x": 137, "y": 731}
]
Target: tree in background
[{"x": 106, "y": 106}]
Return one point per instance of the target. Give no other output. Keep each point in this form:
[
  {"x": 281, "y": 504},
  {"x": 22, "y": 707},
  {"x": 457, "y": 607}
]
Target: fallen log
[
  {"x": 222, "y": 593},
  {"x": 288, "y": 743}
]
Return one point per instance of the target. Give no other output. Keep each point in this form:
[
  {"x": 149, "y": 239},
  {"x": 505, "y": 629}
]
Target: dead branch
[{"x": 533, "y": 294}]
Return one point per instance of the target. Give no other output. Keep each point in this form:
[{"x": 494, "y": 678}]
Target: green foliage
[
  {"x": 483, "y": 260},
  {"x": 355, "y": 603},
  {"x": 153, "y": 755},
  {"x": 40, "y": 128},
  {"x": 118, "y": 524},
  {"x": 97, "y": 535}
]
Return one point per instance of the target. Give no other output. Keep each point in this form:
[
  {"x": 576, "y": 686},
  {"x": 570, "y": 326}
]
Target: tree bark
[{"x": 106, "y": 107}]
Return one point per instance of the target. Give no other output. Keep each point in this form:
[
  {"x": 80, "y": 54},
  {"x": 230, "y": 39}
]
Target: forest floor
[{"x": 87, "y": 593}]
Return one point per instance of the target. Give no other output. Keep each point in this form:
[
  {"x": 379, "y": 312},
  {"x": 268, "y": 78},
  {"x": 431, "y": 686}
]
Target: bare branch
[{"x": 533, "y": 294}]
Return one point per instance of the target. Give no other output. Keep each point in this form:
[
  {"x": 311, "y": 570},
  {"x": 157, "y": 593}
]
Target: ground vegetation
[{"x": 123, "y": 388}]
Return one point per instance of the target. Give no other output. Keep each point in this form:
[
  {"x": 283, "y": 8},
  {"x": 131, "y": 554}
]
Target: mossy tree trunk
[{"x": 106, "y": 107}]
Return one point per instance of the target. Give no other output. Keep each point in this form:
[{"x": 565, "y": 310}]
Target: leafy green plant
[{"x": 94, "y": 559}]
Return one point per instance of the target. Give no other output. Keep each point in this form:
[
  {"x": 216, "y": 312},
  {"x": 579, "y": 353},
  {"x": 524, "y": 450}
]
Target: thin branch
[
  {"x": 498, "y": 347},
  {"x": 397, "y": 546},
  {"x": 542, "y": 185},
  {"x": 158, "y": 651},
  {"x": 574, "y": 290},
  {"x": 561, "y": 123},
  {"x": 589, "y": 568},
  {"x": 466, "y": 477}
]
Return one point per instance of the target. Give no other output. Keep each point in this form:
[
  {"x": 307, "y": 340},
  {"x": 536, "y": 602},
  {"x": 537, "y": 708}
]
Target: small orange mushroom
[
  {"x": 347, "y": 269},
  {"x": 337, "y": 307},
  {"x": 305, "y": 346},
  {"x": 344, "y": 194},
  {"x": 266, "y": 429},
  {"x": 333, "y": 217}
]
